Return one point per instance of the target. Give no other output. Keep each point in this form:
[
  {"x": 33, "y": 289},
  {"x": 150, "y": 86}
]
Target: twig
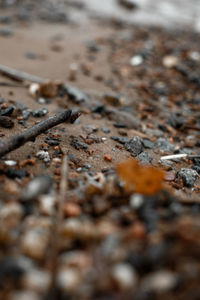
[
  {"x": 57, "y": 226},
  {"x": 19, "y": 75},
  {"x": 30, "y": 134},
  {"x": 175, "y": 156}
]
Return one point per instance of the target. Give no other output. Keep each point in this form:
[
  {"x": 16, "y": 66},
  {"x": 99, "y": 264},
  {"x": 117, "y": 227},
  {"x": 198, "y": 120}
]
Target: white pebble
[
  {"x": 69, "y": 279},
  {"x": 136, "y": 60},
  {"x": 43, "y": 155},
  {"x": 124, "y": 275},
  {"x": 10, "y": 163},
  {"x": 161, "y": 281}
]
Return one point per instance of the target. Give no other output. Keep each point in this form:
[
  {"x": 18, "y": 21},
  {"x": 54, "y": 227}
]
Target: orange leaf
[{"x": 140, "y": 179}]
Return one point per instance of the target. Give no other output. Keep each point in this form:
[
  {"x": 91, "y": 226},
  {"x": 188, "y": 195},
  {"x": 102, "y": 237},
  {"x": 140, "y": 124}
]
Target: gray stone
[
  {"x": 134, "y": 146},
  {"x": 144, "y": 158},
  {"x": 188, "y": 176},
  {"x": 41, "y": 112},
  {"x": 164, "y": 145}
]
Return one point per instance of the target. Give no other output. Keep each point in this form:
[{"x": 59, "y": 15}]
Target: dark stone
[
  {"x": 176, "y": 120},
  {"x": 188, "y": 176},
  {"x": 15, "y": 173},
  {"x": 7, "y": 111},
  {"x": 147, "y": 143},
  {"x": 105, "y": 130},
  {"x": 41, "y": 112},
  {"x": 134, "y": 146},
  {"x": 74, "y": 94},
  {"x": 164, "y": 145},
  {"x": 6, "y": 122},
  {"x": 196, "y": 168},
  {"x": 6, "y": 32},
  {"x": 77, "y": 144},
  {"x": 23, "y": 123},
  {"x": 144, "y": 158},
  {"x": 52, "y": 141},
  {"x": 119, "y": 139}
]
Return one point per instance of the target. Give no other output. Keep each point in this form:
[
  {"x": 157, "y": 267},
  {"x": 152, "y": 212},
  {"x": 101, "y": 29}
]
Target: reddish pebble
[
  {"x": 72, "y": 209},
  {"x": 107, "y": 157}
]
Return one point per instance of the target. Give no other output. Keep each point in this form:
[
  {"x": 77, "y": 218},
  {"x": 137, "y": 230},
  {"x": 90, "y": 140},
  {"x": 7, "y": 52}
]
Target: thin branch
[
  {"x": 176, "y": 156},
  {"x": 19, "y": 75},
  {"x": 57, "y": 225},
  {"x": 31, "y": 133}
]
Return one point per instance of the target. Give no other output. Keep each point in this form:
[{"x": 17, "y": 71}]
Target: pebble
[
  {"x": 41, "y": 100},
  {"x": 14, "y": 267},
  {"x": 122, "y": 140},
  {"x": 105, "y": 130},
  {"x": 134, "y": 146},
  {"x": 26, "y": 114},
  {"x": 189, "y": 176},
  {"x": 90, "y": 129},
  {"x": 47, "y": 204},
  {"x": 124, "y": 276},
  {"x": 123, "y": 118},
  {"x": 161, "y": 281},
  {"x": 74, "y": 94},
  {"x": 78, "y": 145},
  {"x": 7, "y": 111},
  {"x": 43, "y": 155},
  {"x": 6, "y": 32},
  {"x": 16, "y": 173},
  {"x": 147, "y": 143},
  {"x": 10, "y": 163},
  {"x": 68, "y": 279},
  {"x": 36, "y": 280},
  {"x": 170, "y": 61},
  {"x": 136, "y": 201},
  {"x": 164, "y": 145},
  {"x": 41, "y": 112},
  {"x": 136, "y": 60},
  {"x": 34, "y": 242},
  {"x": 36, "y": 187},
  {"x": 23, "y": 295},
  {"x": 108, "y": 157},
  {"x": 144, "y": 158},
  {"x": 6, "y": 122}
]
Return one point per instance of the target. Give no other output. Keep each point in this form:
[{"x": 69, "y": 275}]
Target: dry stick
[
  {"x": 19, "y": 75},
  {"x": 57, "y": 226},
  {"x": 31, "y": 133}
]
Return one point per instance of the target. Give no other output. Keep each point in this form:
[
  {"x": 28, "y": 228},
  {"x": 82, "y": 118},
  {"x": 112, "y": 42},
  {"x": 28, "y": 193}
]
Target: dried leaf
[{"x": 146, "y": 180}]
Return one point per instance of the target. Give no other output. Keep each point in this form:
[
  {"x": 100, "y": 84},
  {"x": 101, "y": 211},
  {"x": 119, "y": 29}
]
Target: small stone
[
  {"x": 68, "y": 279},
  {"x": 144, "y": 158},
  {"x": 136, "y": 60},
  {"x": 71, "y": 209},
  {"x": 36, "y": 187},
  {"x": 147, "y": 143},
  {"x": 108, "y": 157},
  {"x": 78, "y": 145},
  {"x": 47, "y": 204},
  {"x": 189, "y": 176},
  {"x": 136, "y": 201},
  {"x": 10, "y": 163},
  {"x": 90, "y": 129},
  {"x": 43, "y": 155},
  {"x": 161, "y": 281},
  {"x": 7, "y": 111},
  {"x": 41, "y": 112},
  {"x": 128, "y": 4},
  {"x": 16, "y": 173},
  {"x": 34, "y": 242},
  {"x": 42, "y": 100},
  {"x": 105, "y": 130},
  {"x": 124, "y": 276},
  {"x": 6, "y": 122},
  {"x": 25, "y": 114},
  {"x": 164, "y": 145},
  {"x": 120, "y": 139},
  {"x": 6, "y": 32},
  {"x": 75, "y": 94},
  {"x": 134, "y": 146},
  {"x": 170, "y": 61},
  {"x": 23, "y": 295},
  {"x": 36, "y": 280}
]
